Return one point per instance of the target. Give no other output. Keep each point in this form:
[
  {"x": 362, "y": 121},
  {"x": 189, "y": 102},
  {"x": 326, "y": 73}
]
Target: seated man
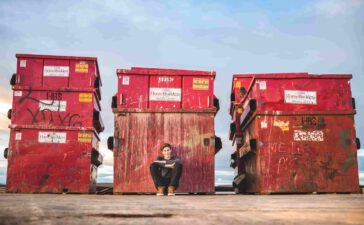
[{"x": 166, "y": 171}]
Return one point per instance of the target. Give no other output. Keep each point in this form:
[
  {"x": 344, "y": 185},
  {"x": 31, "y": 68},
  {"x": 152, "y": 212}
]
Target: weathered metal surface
[
  {"x": 53, "y": 144},
  {"x": 300, "y": 154},
  {"x": 45, "y": 71},
  {"x": 164, "y": 88},
  {"x": 139, "y": 136},
  {"x": 53, "y": 161},
  {"x": 300, "y": 92},
  {"x": 71, "y": 108}
]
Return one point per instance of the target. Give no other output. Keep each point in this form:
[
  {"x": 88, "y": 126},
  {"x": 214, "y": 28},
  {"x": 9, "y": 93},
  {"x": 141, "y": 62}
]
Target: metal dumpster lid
[
  {"x": 293, "y": 76},
  {"x": 162, "y": 71},
  {"x": 86, "y": 58}
]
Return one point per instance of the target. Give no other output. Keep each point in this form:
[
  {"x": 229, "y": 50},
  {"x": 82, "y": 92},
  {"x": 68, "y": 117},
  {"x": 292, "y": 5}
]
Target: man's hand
[{"x": 170, "y": 165}]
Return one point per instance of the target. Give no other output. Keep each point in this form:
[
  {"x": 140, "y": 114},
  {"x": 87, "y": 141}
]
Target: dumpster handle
[
  {"x": 6, "y": 150},
  {"x": 121, "y": 99},
  {"x": 358, "y": 146}
]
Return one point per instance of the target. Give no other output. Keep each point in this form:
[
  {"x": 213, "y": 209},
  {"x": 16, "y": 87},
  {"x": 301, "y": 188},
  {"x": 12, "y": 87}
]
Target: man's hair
[{"x": 166, "y": 145}]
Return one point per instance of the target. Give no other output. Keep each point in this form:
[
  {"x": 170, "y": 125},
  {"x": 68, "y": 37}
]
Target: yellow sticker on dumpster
[
  {"x": 82, "y": 67},
  {"x": 238, "y": 84},
  {"x": 200, "y": 84},
  {"x": 85, "y": 97},
  {"x": 84, "y": 137},
  {"x": 284, "y": 126}
]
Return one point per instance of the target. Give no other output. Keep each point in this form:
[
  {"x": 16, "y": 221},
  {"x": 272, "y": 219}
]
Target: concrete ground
[{"x": 181, "y": 209}]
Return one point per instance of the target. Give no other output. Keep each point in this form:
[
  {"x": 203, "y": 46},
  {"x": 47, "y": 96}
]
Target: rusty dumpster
[
  {"x": 55, "y": 125},
  {"x": 296, "y": 133},
  {"x": 155, "y": 106}
]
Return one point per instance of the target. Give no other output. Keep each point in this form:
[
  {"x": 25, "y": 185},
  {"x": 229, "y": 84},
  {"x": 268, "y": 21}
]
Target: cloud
[
  {"x": 334, "y": 8},
  {"x": 361, "y": 178},
  {"x": 361, "y": 153}
]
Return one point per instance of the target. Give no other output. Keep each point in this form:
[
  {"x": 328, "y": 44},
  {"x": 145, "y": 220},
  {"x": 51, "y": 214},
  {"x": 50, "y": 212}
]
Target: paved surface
[{"x": 181, "y": 209}]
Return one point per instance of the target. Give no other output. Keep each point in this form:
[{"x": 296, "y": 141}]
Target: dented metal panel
[
  {"x": 155, "y": 106},
  {"x": 303, "y": 153},
  {"x": 164, "y": 89},
  {"x": 139, "y": 137},
  {"x": 55, "y": 121},
  {"x": 297, "y": 132},
  {"x": 46, "y": 71},
  {"x": 300, "y": 92},
  {"x": 71, "y": 108},
  {"x": 52, "y": 160}
]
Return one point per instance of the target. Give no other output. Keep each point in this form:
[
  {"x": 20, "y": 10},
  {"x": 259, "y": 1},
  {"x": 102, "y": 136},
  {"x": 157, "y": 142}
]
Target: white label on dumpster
[
  {"x": 53, "y": 105},
  {"x": 56, "y": 71},
  {"x": 165, "y": 94},
  {"x": 300, "y": 97},
  {"x": 262, "y": 85},
  {"x": 23, "y": 63},
  {"x": 17, "y": 136},
  {"x": 52, "y": 137},
  {"x": 126, "y": 80},
  {"x": 316, "y": 135},
  {"x": 263, "y": 124},
  {"x": 18, "y": 93}
]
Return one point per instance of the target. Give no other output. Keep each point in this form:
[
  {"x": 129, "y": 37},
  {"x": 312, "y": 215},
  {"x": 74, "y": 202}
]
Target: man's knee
[{"x": 178, "y": 166}]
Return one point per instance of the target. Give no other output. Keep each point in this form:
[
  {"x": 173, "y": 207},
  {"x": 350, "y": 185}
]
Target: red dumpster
[
  {"x": 298, "y": 134},
  {"x": 52, "y": 160},
  {"x": 164, "y": 88},
  {"x": 55, "y": 118},
  {"x": 299, "y": 92},
  {"x": 47, "y": 71},
  {"x": 156, "y": 106},
  {"x": 71, "y": 108}
]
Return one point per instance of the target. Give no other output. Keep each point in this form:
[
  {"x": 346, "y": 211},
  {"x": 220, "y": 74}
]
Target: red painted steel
[
  {"x": 52, "y": 160},
  {"x": 154, "y": 106},
  {"x": 297, "y": 130},
  {"x": 300, "y": 154},
  {"x": 164, "y": 88},
  {"x": 45, "y": 71},
  {"x": 71, "y": 107},
  {"x": 298, "y": 92},
  {"x": 138, "y": 137},
  {"x": 53, "y": 145}
]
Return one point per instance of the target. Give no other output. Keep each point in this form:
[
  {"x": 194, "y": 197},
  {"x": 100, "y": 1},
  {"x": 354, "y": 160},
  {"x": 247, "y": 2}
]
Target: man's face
[{"x": 166, "y": 151}]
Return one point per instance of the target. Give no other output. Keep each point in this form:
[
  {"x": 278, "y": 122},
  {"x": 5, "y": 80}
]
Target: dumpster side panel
[
  {"x": 295, "y": 155},
  {"x": 302, "y": 95},
  {"x": 82, "y": 73},
  {"x": 140, "y": 138},
  {"x": 46, "y": 71},
  {"x": 240, "y": 87},
  {"x": 50, "y": 161},
  {"x": 197, "y": 92},
  {"x": 133, "y": 91},
  {"x": 54, "y": 108},
  {"x": 30, "y": 72}
]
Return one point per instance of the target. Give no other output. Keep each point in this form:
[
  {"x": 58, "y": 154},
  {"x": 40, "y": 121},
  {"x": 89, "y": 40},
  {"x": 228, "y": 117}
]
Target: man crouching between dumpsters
[{"x": 166, "y": 171}]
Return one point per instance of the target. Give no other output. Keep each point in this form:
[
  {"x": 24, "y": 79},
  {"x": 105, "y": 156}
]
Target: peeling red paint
[
  {"x": 299, "y": 143},
  {"x": 54, "y": 140},
  {"x": 183, "y": 117}
]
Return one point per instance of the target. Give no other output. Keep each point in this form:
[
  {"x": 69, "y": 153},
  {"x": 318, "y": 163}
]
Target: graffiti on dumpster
[
  {"x": 52, "y": 106},
  {"x": 313, "y": 122},
  {"x": 316, "y": 135}
]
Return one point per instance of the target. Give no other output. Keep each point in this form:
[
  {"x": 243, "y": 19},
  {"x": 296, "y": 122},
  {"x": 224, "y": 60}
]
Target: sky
[{"x": 225, "y": 36}]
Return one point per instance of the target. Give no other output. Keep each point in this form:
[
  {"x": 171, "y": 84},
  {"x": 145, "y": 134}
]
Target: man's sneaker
[
  {"x": 171, "y": 191},
  {"x": 160, "y": 191}
]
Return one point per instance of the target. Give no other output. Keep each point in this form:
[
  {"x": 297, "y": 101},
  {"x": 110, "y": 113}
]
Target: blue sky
[{"x": 226, "y": 36}]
